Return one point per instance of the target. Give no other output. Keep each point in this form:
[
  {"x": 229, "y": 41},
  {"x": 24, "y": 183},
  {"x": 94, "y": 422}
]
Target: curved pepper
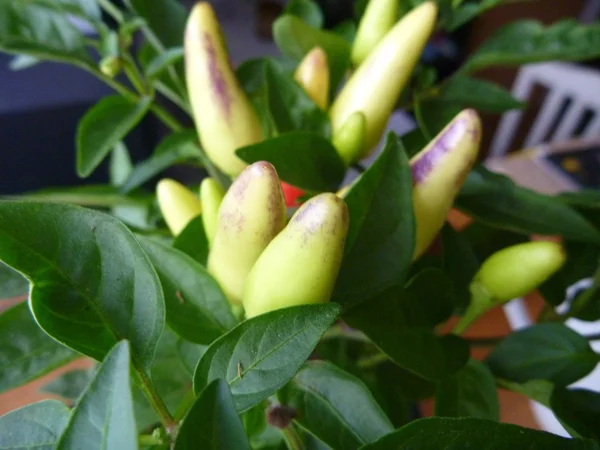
[
  {"x": 376, "y": 86},
  {"x": 438, "y": 172},
  {"x": 313, "y": 75},
  {"x": 177, "y": 203},
  {"x": 251, "y": 215},
  {"x": 379, "y": 17},
  {"x": 510, "y": 273},
  {"x": 300, "y": 266},
  {"x": 349, "y": 140},
  {"x": 224, "y": 117},
  {"x": 211, "y": 196}
]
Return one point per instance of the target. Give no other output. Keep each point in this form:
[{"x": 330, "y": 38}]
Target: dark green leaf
[
  {"x": 212, "y": 422},
  {"x": 251, "y": 74},
  {"x": 41, "y": 32},
  {"x": 84, "y": 8},
  {"x": 582, "y": 261},
  {"x": 174, "y": 149},
  {"x": 302, "y": 159},
  {"x": 538, "y": 390},
  {"x": 92, "y": 283},
  {"x": 263, "y": 353},
  {"x": 193, "y": 241},
  {"x": 71, "y": 384},
  {"x": 495, "y": 200},
  {"x": 528, "y": 41},
  {"x": 547, "y": 351},
  {"x": 12, "y": 283},
  {"x": 479, "y": 94},
  {"x": 460, "y": 263},
  {"x": 307, "y": 10},
  {"x": 470, "y": 392},
  {"x": 337, "y": 407},
  {"x": 486, "y": 240},
  {"x": 172, "y": 371},
  {"x": 295, "y": 39},
  {"x": 105, "y": 124},
  {"x": 162, "y": 61},
  {"x": 103, "y": 418},
  {"x": 467, "y": 12},
  {"x": 579, "y": 409},
  {"x": 413, "y": 142},
  {"x": 441, "y": 433},
  {"x": 346, "y": 30},
  {"x": 428, "y": 298},
  {"x": 434, "y": 114},
  {"x": 416, "y": 349},
  {"x": 101, "y": 196},
  {"x": 165, "y": 19},
  {"x": 586, "y": 201},
  {"x": 380, "y": 242},
  {"x": 290, "y": 106},
  {"x": 255, "y": 421},
  {"x": 36, "y": 426},
  {"x": 26, "y": 352},
  {"x": 196, "y": 307}
]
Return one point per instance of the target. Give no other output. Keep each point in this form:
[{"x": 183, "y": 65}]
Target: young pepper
[{"x": 177, "y": 203}]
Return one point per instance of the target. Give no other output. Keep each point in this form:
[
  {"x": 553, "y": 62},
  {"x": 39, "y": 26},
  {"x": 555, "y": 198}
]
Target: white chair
[
  {"x": 573, "y": 93},
  {"x": 575, "y": 87}
]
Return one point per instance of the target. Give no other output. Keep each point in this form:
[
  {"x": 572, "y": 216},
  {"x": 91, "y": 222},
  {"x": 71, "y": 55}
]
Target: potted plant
[{"x": 247, "y": 315}]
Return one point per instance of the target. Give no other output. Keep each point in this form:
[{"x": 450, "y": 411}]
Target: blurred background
[{"x": 40, "y": 106}]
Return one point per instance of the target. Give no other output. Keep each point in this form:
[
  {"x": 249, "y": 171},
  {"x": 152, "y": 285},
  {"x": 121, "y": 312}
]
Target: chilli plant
[{"x": 279, "y": 306}]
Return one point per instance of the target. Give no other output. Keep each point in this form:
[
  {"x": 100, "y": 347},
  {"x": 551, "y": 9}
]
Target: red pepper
[{"x": 291, "y": 194}]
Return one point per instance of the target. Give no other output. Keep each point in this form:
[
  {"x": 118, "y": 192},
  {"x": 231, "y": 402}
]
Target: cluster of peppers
[{"x": 262, "y": 261}]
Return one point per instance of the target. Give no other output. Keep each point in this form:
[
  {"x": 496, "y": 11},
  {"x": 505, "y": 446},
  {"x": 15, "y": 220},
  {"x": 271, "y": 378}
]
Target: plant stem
[
  {"x": 292, "y": 439},
  {"x": 372, "y": 361},
  {"x": 184, "y": 406},
  {"x": 173, "y": 96},
  {"x": 148, "y": 440},
  {"x": 112, "y": 10},
  {"x": 135, "y": 76},
  {"x": 155, "y": 400}
]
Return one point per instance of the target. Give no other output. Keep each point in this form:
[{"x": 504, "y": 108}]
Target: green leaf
[
  {"x": 120, "y": 164},
  {"x": 428, "y": 298},
  {"x": 547, "y": 351},
  {"x": 193, "y": 241},
  {"x": 172, "y": 371},
  {"x": 579, "y": 409},
  {"x": 103, "y": 418},
  {"x": 307, "y": 10},
  {"x": 380, "y": 242},
  {"x": 434, "y": 114},
  {"x": 162, "y": 61},
  {"x": 460, "y": 263},
  {"x": 470, "y": 392},
  {"x": 26, "y": 352},
  {"x": 495, "y": 200},
  {"x": 295, "y": 39},
  {"x": 467, "y": 12},
  {"x": 479, "y": 94},
  {"x": 89, "y": 9},
  {"x": 582, "y": 261},
  {"x": 538, "y": 390},
  {"x": 92, "y": 284},
  {"x": 586, "y": 201},
  {"x": 346, "y": 30},
  {"x": 528, "y": 41},
  {"x": 290, "y": 106},
  {"x": 36, "y": 426},
  {"x": 71, "y": 384},
  {"x": 174, "y": 149},
  {"x": 212, "y": 422},
  {"x": 165, "y": 19},
  {"x": 103, "y": 126},
  {"x": 416, "y": 349},
  {"x": 196, "y": 307},
  {"x": 302, "y": 159},
  {"x": 101, "y": 196},
  {"x": 12, "y": 283},
  {"x": 42, "y": 32},
  {"x": 262, "y": 354},
  {"x": 337, "y": 407},
  {"x": 441, "y": 433}
]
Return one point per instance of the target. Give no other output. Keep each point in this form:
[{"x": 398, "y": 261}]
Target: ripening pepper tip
[
  {"x": 251, "y": 214},
  {"x": 224, "y": 116},
  {"x": 313, "y": 75},
  {"x": 177, "y": 203},
  {"x": 211, "y": 196},
  {"x": 438, "y": 172},
  {"x": 376, "y": 85},
  {"x": 300, "y": 266},
  {"x": 379, "y": 17}
]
